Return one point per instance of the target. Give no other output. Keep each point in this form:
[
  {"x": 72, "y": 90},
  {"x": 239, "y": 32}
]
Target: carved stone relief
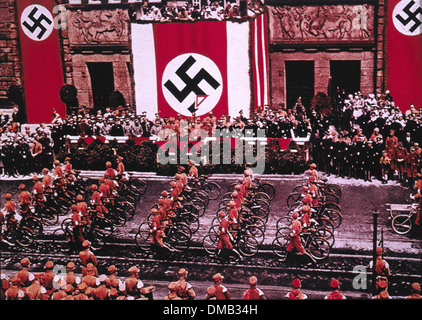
[
  {"x": 98, "y": 27},
  {"x": 333, "y": 23}
]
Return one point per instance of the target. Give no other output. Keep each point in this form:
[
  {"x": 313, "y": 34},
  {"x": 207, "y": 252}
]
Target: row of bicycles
[
  {"x": 326, "y": 217},
  {"x": 98, "y": 230},
  {"x": 51, "y": 208},
  {"x": 187, "y": 209},
  {"x": 43, "y": 211},
  {"x": 253, "y": 217}
]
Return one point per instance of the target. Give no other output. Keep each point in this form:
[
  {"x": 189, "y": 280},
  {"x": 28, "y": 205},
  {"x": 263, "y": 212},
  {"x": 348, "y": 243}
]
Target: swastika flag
[
  {"x": 41, "y": 59},
  {"x": 199, "y": 67},
  {"x": 405, "y": 52}
]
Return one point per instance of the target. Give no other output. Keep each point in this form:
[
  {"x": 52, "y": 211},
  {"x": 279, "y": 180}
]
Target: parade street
[{"x": 352, "y": 248}]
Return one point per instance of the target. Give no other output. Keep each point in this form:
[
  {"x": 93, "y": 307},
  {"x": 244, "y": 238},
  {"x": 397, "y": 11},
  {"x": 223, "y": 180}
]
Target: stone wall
[
  {"x": 10, "y": 65},
  {"x": 97, "y": 35},
  {"x": 322, "y": 70},
  {"x": 323, "y": 33}
]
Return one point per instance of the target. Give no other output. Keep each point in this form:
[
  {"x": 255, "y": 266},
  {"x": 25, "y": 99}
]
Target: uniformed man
[
  {"x": 221, "y": 292},
  {"x": 296, "y": 293},
  {"x": 87, "y": 256},
  {"x": 135, "y": 286},
  {"x": 415, "y": 291},
  {"x": 335, "y": 294},
  {"x": 184, "y": 289},
  {"x": 23, "y": 274},
  {"x": 77, "y": 227},
  {"x": 24, "y": 201},
  {"x": 253, "y": 293}
]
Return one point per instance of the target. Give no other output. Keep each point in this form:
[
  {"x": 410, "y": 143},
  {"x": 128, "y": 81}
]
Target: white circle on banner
[
  {"x": 192, "y": 83},
  {"x": 407, "y": 17},
  {"x": 37, "y": 22}
]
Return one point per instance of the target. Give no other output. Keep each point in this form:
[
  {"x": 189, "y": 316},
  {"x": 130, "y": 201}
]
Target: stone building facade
[
  {"x": 313, "y": 44},
  {"x": 10, "y": 64},
  {"x": 314, "y": 47}
]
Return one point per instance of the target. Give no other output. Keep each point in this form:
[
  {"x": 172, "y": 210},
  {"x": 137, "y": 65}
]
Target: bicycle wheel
[
  {"x": 331, "y": 205},
  {"x": 209, "y": 243},
  {"x": 297, "y": 188},
  {"x": 334, "y": 188},
  {"x": 192, "y": 220},
  {"x": 263, "y": 204},
  {"x": 212, "y": 189},
  {"x": 279, "y": 246},
  {"x": 103, "y": 229},
  {"x": 142, "y": 241},
  {"x": 330, "y": 197},
  {"x": 144, "y": 230},
  {"x": 262, "y": 196},
  {"x": 62, "y": 240},
  {"x": 284, "y": 222},
  {"x": 401, "y": 224},
  {"x": 248, "y": 245},
  {"x": 203, "y": 196},
  {"x": 258, "y": 221},
  {"x": 293, "y": 198},
  {"x": 24, "y": 236},
  {"x": 117, "y": 217},
  {"x": 267, "y": 188},
  {"x": 141, "y": 185},
  {"x": 327, "y": 234},
  {"x": 179, "y": 240},
  {"x": 67, "y": 225},
  {"x": 213, "y": 232},
  {"x": 199, "y": 204},
  {"x": 34, "y": 224},
  {"x": 326, "y": 223},
  {"x": 257, "y": 212},
  {"x": 256, "y": 232},
  {"x": 128, "y": 208},
  {"x": 184, "y": 228},
  {"x": 49, "y": 216},
  {"x": 319, "y": 248},
  {"x": 333, "y": 215},
  {"x": 134, "y": 192}
]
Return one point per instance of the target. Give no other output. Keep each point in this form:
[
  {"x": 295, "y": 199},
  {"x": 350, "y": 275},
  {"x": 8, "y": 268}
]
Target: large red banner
[
  {"x": 199, "y": 67},
  {"x": 179, "y": 47},
  {"x": 41, "y": 59},
  {"x": 405, "y": 52}
]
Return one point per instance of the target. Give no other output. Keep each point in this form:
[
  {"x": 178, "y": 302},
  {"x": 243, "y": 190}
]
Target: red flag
[
  {"x": 185, "y": 54},
  {"x": 41, "y": 59},
  {"x": 260, "y": 61},
  {"x": 404, "y": 52},
  {"x": 192, "y": 67}
]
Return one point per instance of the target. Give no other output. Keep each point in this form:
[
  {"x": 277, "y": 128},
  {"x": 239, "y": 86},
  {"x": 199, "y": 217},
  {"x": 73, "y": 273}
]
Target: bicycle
[
  {"x": 323, "y": 227},
  {"x": 249, "y": 224},
  {"x": 178, "y": 236},
  {"x": 212, "y": 189},
  {"x": 97, "y": 232},
  {"x": 403, "y": 223},
  {"x": 328, "y": 210},
  {"x": 316, "y": 246},
  {"x": 245, "y": 243},
  {"x": 322, "y": 197},
  {"x": 19, "y": 234}
]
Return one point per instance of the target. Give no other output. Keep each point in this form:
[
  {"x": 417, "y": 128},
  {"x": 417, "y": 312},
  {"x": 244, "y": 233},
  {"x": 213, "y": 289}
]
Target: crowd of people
[
  {"x": 215, "y": 10},
  {"x": 368, "y": 137},
  {"x": 85, "y": 279},
  {"x": 361, "y": 137}
]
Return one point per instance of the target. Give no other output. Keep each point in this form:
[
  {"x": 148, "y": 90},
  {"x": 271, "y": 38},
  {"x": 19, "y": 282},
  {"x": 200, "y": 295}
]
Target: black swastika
[
  {"x": 191, "y": 83},
  {"x": 411, "y": 16},
  {"x": 37, "y": 23}
]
